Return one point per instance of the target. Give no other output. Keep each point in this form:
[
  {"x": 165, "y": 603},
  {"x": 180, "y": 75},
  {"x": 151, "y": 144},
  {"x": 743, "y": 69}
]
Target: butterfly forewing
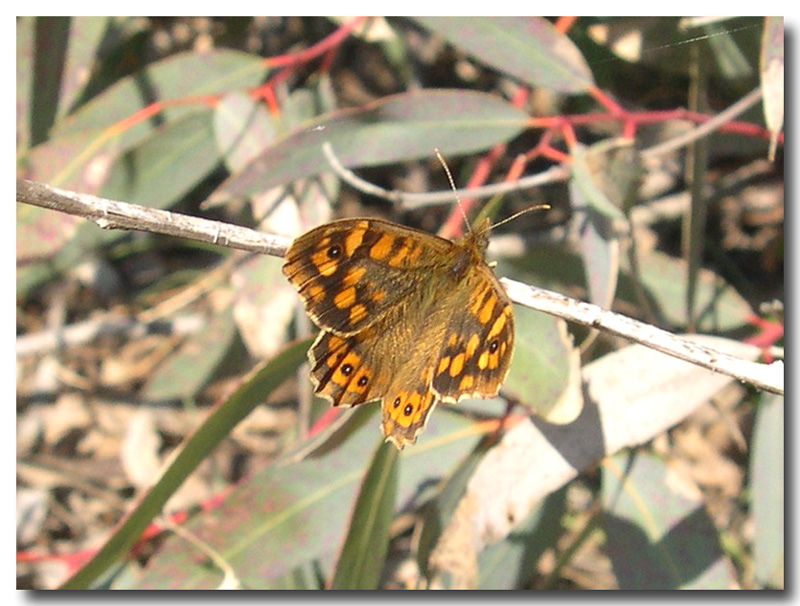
[{"x": 350, "y": 272}]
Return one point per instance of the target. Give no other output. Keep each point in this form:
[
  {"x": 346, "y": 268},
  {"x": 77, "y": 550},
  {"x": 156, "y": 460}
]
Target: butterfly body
[{"x": 407, "y": 318}]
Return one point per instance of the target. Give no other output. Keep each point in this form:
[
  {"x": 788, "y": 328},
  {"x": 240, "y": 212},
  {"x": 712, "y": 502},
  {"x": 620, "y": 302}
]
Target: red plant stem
[
  {"x": 770, "y": 333},
  {"x": 317, "y": 49},
  {"x": 563, "y": 24},
  {"x": 453, "y": 226},
  {"x": 77, "y": 559},
  {"x": 613, "y": 108},
  {"x": 325, "y": 419},
  {"x": 516, "y": 168},
  {"x": 265, "y": 90}
]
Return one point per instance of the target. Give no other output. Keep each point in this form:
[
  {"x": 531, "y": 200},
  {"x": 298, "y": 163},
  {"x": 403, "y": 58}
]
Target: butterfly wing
[
  {"x": 345, "y": 371},
  {"x": 407, "y": 410},
  {"x": 352, "y": 370},
  {"x": 349, "y": 273},
  {"x": 407, "y": 318},
  {"x": 476, "y": 350},
  {"x": 471, "y": 359}
]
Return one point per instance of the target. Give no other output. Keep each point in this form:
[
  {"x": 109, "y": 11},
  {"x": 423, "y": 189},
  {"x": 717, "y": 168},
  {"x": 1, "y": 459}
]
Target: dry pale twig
[
  {"x": 411, "y": 201},
  {"x": 768, "y": 377},
  {"x": 46, "y": 341},
  {"x": 110, "y": 214}
]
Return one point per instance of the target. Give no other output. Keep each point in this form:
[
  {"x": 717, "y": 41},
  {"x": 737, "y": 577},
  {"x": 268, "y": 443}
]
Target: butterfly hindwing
[
  {"x": 340, "y": 371},
  {"x": 478, "y": 343}
]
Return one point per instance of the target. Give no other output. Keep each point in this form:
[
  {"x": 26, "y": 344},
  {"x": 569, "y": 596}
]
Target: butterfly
[{"x": 407, "y": 318}]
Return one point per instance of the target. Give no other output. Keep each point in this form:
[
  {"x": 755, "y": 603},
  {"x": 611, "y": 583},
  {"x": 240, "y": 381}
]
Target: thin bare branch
[
  {"x": 768, "y": 377},
  {"x": 46, "y": 341},
  {"x": 112, "y": 214},
  {"x": 411, "y": 201},
  {"x": 706, "y": 128}
]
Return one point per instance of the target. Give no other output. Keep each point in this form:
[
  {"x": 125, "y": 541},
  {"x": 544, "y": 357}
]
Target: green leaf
[
  {"x": 510, "y": 563},
  {"x": 395, "y": 128},
  {"x": 720, "y": 308},
  {"x": 51, "y": 38},
  {"x": 302, "y": 578},
  {"x": 659, "y": 537},
  {"x": 26, "y": 55},
  {"x": 296, "y": 511},
  {"x": 63, "y": 161},
  {"x": 731, "y": 58},
  {"x": 545, "y": 371},
  {"x": 767, "y": 482},
  {"x": 242, "y": 127},
  {"x": 771, "y": 70},
  {"x": 92, "y": 137},
  {"x": 85, "y": 38},
  {"x": 527, "y": 48},
  {"x": 171, "y": 161},
  {"x": 217, "y": 426},
  {"x": 589, "y": 186},
  {"x": 440, "y": 509},
  {"x": 42, "y": 232},
  {"x": 166, "y": 165},
  {"x": 362, "y": 558},
  {"x": 180, "y": 76},
  {"x": 605, "y": 179},
  {"x": 264, "y": 303}
]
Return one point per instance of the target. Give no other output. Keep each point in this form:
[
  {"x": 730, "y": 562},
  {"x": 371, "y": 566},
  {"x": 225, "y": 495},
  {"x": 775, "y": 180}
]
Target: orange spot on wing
[
  {"x": 355, "y": 237},
  {"x": 381, "y": 249},
  {"x": 357, "y": 313},
  {"x": 345, "y": 298},
  {"x": 457, "y": 365}
]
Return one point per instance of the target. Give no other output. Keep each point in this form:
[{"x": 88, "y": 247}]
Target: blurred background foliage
[{"x": 157, "y": 380}]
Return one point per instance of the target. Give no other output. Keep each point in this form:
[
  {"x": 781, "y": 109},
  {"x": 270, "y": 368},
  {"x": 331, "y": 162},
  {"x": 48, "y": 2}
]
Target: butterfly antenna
[
  {"x": 522, "y": 212},
  {"x": 452, "y": 186}
]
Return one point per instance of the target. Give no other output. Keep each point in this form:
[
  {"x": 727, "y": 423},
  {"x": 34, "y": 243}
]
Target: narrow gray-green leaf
[
  {"x": 659, "y": 537},
  {"x": 364, "y": 551},
  {"x": 632, "y": 395},
  {"x": 183, "y": 373},
  {"x": 26, "y": 55},
  {"x": 730, "y": 57},
  {"x": 243, "y": 127},
  {"x": 545, "y": 373},
  {"x": 527, "y": 48},
  {"x": 605, "y": 179},
  {"x": 85, "y": 38},
  {"x": 511, "y": 563},
  {"x": 587, "y": 187},
  {"x": 396, "y": 128},
  {"x": 51, "y": 39},
  {"x": 167, "y": 164},
  {"x": 772, "y": 68},
  {"x": 180, "y": 76},
  {"x": 440, "y": 509},
  {"x": 156, "y": 173},
  {"x": 767, "y": 481},
  {"x": 296, "y": 511},
  {"x": 720, "y": 307}
]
